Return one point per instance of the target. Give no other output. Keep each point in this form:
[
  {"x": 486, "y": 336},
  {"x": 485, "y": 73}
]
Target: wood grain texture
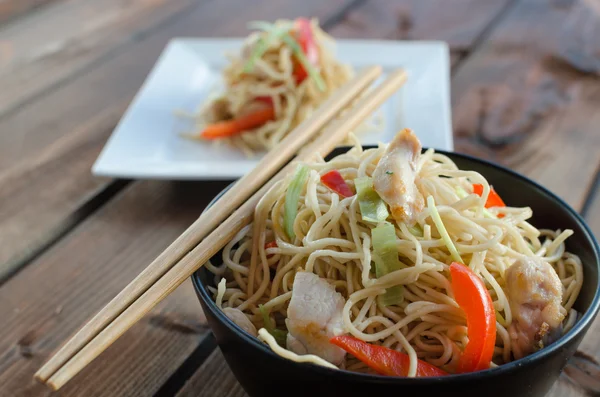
[
  {"x": 578, "y": 38},
  {"x": 83, "y": 111},
  {"x": 554, "y": 109},
  {"x": 53, "y": 296},
  {"x": 516, "y": 102},
  {"x": 213, "y": 217},
  {"x": 50, "y": 46},
  {"x": 514, "y": 64},
  {"x": 576, "y": 383},
  {"x": 85, "y": 269},
  {"x": 38, "y": 197},
  {"x": 226, "y": 231},
  {"x": 213, "y": 378},
  {"x": 458, "y": 22},
  {"x": 12, "y": 9},
  {"x": 593, "y": 213}
]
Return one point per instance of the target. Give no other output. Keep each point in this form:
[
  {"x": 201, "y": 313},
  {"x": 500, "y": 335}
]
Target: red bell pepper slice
[
  {"x": 305, "y": 37},
  {"x": 265, "y": 99},
  {"x": 472, "y": 296},
  {"x": 223, "y": 129},
  {"x": 334, "y": 181},
  {"x": 271, "y": 244},
  {"x": 494, "y": 200},
  {"x": 383, "y": 360}
]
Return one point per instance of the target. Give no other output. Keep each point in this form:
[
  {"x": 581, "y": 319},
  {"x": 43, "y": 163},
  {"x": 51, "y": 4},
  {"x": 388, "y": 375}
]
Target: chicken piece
[
  {"x": 314, "y": 317},
  {"x": 534, "y": 293},
  {"x": 241, "y": 320},
  {"x": 394, "y": 177}
]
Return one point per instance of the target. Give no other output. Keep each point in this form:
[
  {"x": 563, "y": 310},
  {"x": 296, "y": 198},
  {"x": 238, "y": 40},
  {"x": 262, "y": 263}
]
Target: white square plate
[{"x": 147, "y": 143}]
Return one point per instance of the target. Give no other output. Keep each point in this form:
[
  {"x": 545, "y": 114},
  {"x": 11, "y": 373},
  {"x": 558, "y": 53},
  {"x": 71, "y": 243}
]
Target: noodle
[
  {"x": 272, "y": 80},
  {"x": 334, "y": 242}
]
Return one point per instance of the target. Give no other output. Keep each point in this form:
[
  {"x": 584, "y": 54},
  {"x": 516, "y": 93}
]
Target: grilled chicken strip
[
  {"x": 394, "y": 177},
  {"x": 535, "y": 296}
]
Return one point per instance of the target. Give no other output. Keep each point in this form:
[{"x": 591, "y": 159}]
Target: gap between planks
[
  {"x": 58, "y": 120},
  {"x": 93, "y": 218},
  {"x": 12, "y": 10},
  {"x": 357, "y": 3},
  {"x": 55, "y": 119},
  {"x": 95, "y": 201},
  {"x": 31, "y": 69}
]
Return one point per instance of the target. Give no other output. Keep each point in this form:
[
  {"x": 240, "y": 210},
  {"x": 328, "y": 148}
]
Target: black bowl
[{"x": 263, "y": 373}]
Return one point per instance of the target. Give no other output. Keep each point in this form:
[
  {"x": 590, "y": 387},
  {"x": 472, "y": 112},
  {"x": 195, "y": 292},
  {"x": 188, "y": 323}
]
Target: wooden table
[{"x": 525, "y": 93}]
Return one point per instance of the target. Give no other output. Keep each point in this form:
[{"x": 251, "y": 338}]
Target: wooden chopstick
[
  {"x": 191, "y": 262},
  {"x": 212, "y": 217}
]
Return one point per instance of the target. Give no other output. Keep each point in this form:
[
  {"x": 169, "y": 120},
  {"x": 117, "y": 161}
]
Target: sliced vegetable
[
  {"x": 385, "y": 256},
  {"x": 310, "y": 69},
  {"x": 265, "y": 99},
  {"x": 334, "y": 180},
  {"x": 283, "y": 33},
  {"x": 372, "y": 207},
  {"x": 475, "y": 300},
  {"x": 493, "y": 200},
  {"x": 383, "y": 360},
  {"x": 223, "y": 129},
  {"x": 305, "y": 37},
  {"x": 271, "y": 244},
  {"x": 279, "y": 334},
  {"x": 437, "y": 219},
  {"x": 291, "y": 199}
]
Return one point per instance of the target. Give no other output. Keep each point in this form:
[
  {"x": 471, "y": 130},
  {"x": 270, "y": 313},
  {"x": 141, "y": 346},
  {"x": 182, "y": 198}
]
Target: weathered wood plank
[
  {"x": 593, "y": 213},
  {"x": 459, "y": 22},
  {"x": 50, "y": 46},
  {"x": 374, "y": 20},
  {"x": 74, "y": 121},
  {"x": 11, "y": 9},
  {"x": 516, "y": 103},
  {"x": 591, "y": 342},
  {"x": 213, "y": 378},
  {"x": 89, "y": 266},
  {"x": 510, "y": 53},
  {"x": 53, "y": 296},
  {"x": 60, "y": 182}
]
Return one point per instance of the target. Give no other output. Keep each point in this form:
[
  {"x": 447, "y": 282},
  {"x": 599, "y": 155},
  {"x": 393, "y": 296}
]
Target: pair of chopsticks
[{"x": 218, "y": 225}]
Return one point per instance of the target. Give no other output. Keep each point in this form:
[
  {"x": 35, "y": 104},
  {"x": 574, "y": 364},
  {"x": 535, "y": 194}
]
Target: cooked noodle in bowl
[
  {"x": 283, "y": 72},
  {"x": 390, "y": 252}
]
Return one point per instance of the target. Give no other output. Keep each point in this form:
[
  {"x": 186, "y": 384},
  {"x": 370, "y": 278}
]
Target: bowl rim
[{"x": 577, "y": 329}]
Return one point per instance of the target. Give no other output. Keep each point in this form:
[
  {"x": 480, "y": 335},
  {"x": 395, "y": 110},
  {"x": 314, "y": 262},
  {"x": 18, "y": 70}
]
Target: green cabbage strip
[
  {"x": 282, "y": 33},
  {"x": 310, "y": 69},
  {"x": 279, "y": 334},
  {"x": 291, "y": 199},
  {"x": 372, "y": 207},
  {"x": 385, "y": 256},
  {"x": 437, "y": 219}
]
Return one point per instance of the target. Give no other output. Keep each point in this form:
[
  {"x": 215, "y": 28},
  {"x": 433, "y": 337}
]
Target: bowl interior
[{"x": 549, "y": 212}]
